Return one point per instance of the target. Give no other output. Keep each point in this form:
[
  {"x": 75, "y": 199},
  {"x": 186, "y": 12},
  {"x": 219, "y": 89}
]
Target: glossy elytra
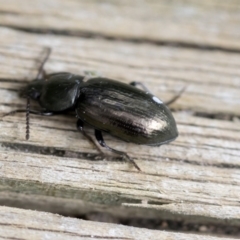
[{"x": 125, "y": 111}]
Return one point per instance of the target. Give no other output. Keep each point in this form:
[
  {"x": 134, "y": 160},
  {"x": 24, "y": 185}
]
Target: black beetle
[{"x": 125, "y": 111}]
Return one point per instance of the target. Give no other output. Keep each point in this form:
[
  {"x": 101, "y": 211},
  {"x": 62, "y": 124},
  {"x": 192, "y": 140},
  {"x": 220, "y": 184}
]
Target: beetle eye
[
  {"x": 33, "y": 93},
  {"x": 33, "y": 90},
  {"x": 30, "y": 92}
]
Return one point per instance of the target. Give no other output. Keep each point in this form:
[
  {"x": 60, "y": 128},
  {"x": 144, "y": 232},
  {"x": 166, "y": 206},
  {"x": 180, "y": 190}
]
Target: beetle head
[{"x": 32, "y": 90}]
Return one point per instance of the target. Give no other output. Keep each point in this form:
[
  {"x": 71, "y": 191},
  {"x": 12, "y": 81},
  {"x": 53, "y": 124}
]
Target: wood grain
[
  {"x": 196, "y": 178},
  {"x": 168, "y": 45},
  {"x": 211, "y": 78},
  {"x": 25, "y": 224},
  {"x": 209, "y": 23}
]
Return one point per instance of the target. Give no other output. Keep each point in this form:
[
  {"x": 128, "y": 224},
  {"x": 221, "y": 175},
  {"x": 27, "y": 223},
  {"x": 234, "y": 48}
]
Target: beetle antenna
[
  {"x": 39, "y": 76},
  {"x": 27, "y": 118}
]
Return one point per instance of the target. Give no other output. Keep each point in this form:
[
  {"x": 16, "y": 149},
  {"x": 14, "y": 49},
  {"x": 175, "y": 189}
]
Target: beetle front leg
[{"x": 99, "y": 138}]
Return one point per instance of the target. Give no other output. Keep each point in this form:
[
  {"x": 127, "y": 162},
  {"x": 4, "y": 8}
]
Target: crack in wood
[
  {"x": 63, "y": 232},
  {"x": 94, "y": 35}
]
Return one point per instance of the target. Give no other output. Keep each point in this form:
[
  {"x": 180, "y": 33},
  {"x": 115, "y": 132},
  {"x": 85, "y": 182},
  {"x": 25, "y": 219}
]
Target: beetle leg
[
  {"x": 172, "y": 100},
  {"x": 99, "y": 138},
  {"x": 30, "y": 111},
  {"x": 42, "y": 113},
  {"x": 92, "y": 74},
  {"x": 80, "y": 125},
  {"x": 176, "y": 97},
  {"x": 140, "y": 84},
  {"x": 41, "y": 73}
]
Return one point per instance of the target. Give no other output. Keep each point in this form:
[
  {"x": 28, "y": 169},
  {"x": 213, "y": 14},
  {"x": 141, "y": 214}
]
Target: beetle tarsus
[{"x": 99, "y": 137}]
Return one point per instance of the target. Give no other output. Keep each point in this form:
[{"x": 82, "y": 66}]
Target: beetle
[{"x": 122, "y": 110}]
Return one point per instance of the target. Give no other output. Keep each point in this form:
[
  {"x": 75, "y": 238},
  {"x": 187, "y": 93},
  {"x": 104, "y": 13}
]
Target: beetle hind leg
[
  {"x": 135, "y": 84},
  {"x": 99, "y": 137},
  {"x": 175, "y": 98},
  {"x": 28, "y": 111}
]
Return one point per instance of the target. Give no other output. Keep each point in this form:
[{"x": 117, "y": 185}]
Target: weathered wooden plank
[
  {"x": 204, "y": 161},
  {"x": 190, "y": 178},
  {"x": 209, "y": 22},
  {"x": 25, "y": 224},
  {"x": 211, "y": 78},
  {"x": 196, "y": 177}
]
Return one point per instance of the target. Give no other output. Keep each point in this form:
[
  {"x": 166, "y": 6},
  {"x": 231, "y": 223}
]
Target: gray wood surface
[
  {"x": 25, "y": 224},
  {"x": 212, "y": 23},
  {"x": 195, "y": 178}
]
